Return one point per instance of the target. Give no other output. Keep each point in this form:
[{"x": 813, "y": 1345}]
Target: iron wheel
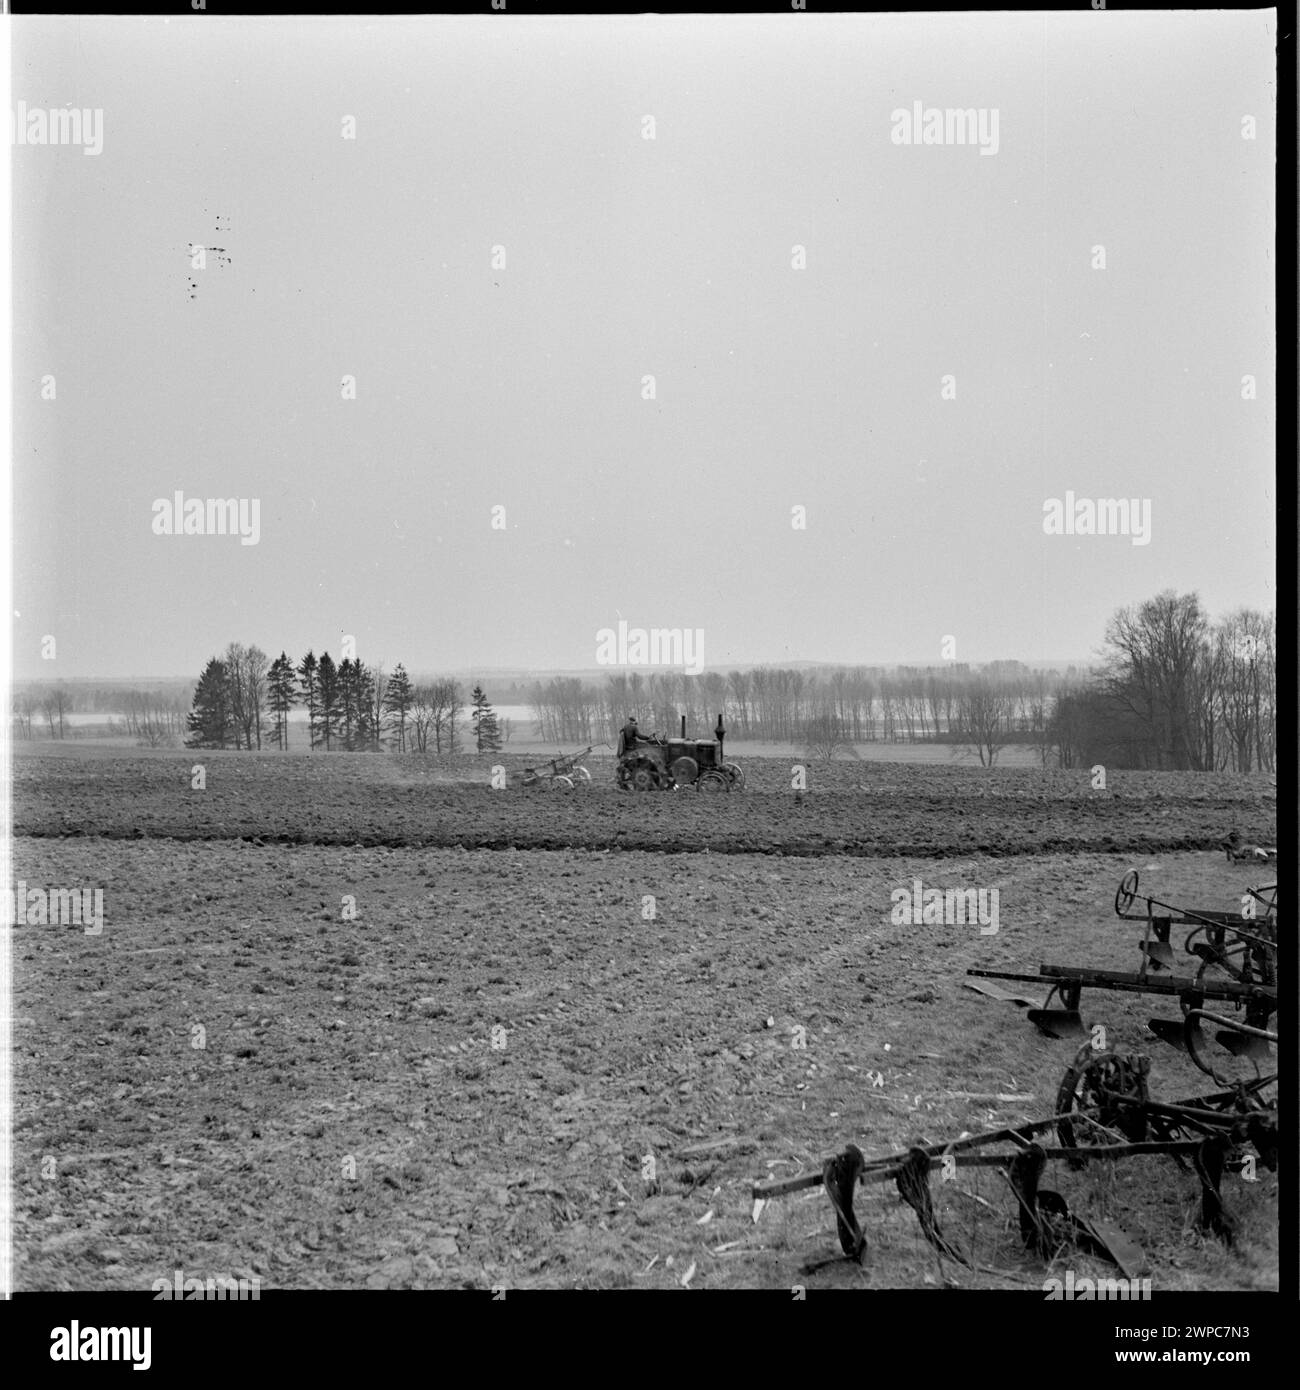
[
  {"x": 645, "y": 778},
  {"x": 1126, "y": 892},
  {"x": 1099, "y": 1100}
]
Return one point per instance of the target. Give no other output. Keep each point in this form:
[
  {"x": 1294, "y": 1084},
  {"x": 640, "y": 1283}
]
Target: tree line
[
  {"x": 859, "y": 704},
  {"x": 1174, "y": 690},
  {"x": 1177, "y": 691},
  {"x": 244, "y": 697},
  {"x": 153, "y": 718}
]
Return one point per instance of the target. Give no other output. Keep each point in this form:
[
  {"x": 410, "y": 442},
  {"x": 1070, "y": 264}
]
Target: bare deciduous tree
[
  {"x": 446, "y": 703},
  {"x": 56, "y": 705},
  {"x": 419, "y": 717},
  {"x": 1154, "y": 651},
  {"x": 378, "y": 695},
  {"x": 826, "y": 738},
  {"x": 153, "y": 719},
  {"x": 24, "y": 706},
  {"x": 985, "y": 715}
]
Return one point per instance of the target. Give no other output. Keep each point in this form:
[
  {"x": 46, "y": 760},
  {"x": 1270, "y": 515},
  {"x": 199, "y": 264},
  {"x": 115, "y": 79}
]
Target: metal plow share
[{"x": 1104, "y": 1114}]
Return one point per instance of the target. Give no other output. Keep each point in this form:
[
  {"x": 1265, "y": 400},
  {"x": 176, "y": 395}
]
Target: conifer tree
[
  {"x": 327, "y": 682},
  {"x": 487, "y": 734},
  {"x": 282, "y": 695},
  {"x": 364, "y": 701},
  {"x": 210, "y": 723},
  {"x": 348, "y": 702},
  {"x": 309, "y": 682},
  {"x": 397, "y": 702}
]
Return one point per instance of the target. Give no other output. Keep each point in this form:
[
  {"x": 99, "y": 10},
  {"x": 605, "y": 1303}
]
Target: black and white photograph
[{"x": 643, "y": 656}]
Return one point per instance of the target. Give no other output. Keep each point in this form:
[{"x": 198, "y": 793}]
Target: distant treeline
[
  {"x": 153, "y": 718},
  {"x": 1172, "y": 690},
  {"x": 776, "y": 705}
]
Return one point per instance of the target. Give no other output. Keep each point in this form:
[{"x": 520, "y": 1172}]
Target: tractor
[{"x": 674, "y": 763}]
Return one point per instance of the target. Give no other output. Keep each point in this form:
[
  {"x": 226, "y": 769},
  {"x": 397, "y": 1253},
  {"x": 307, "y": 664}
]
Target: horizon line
[{"x": 1060, "y": 664}]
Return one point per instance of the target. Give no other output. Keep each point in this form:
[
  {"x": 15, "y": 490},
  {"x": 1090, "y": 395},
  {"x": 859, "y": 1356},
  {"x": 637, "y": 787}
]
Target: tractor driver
[{"x": 628, "y": 737}]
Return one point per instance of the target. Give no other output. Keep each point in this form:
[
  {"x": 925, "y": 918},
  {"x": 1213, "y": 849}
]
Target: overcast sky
[{"x": 522, "y": 386}]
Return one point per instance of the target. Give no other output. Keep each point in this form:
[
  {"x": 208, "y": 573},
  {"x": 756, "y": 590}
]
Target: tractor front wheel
[
  {"x": 685, "y": 770},
  {"x": 713, "y": 781}
]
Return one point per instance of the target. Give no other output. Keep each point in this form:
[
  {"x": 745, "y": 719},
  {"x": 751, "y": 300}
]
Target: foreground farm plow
[
  {"x": 1235, "y": 956},
  {"x": 1104, "y": 1115},
  {"x": 1104, "y": 1110}
]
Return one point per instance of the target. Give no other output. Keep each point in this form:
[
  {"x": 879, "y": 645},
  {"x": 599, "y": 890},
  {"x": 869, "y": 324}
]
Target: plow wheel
[
  {"x": 1101, "y": 1092},
  {"x": 1243, "y": 1046},
  {"x": 580, "y": 774},
  {"x": 1126, "y": 893},
  {"x": 714, "y": 781},
  {"x": 561, "y": 784}
]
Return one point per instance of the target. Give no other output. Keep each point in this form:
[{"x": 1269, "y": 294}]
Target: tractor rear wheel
[{"x": 646, "y": 778}]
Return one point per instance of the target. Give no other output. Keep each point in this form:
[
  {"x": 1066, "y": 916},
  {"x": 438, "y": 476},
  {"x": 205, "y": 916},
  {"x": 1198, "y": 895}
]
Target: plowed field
[{"x": 365, "y": 1022}]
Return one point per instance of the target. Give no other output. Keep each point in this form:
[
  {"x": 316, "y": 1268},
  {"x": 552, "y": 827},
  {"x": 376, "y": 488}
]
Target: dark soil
[{"x": 355, "y": 1055}]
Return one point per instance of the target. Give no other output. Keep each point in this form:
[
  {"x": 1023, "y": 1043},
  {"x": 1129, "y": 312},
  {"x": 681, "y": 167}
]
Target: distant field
[
  {"x": 355, "y": 1118},
  {"x": 92, "y": 729},
  {"x": 850, "y": 807}
]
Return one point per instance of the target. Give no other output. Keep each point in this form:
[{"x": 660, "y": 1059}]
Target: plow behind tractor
[
  {"x": 559, "y": 774},
  {"x": 653, "y": 764}
]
